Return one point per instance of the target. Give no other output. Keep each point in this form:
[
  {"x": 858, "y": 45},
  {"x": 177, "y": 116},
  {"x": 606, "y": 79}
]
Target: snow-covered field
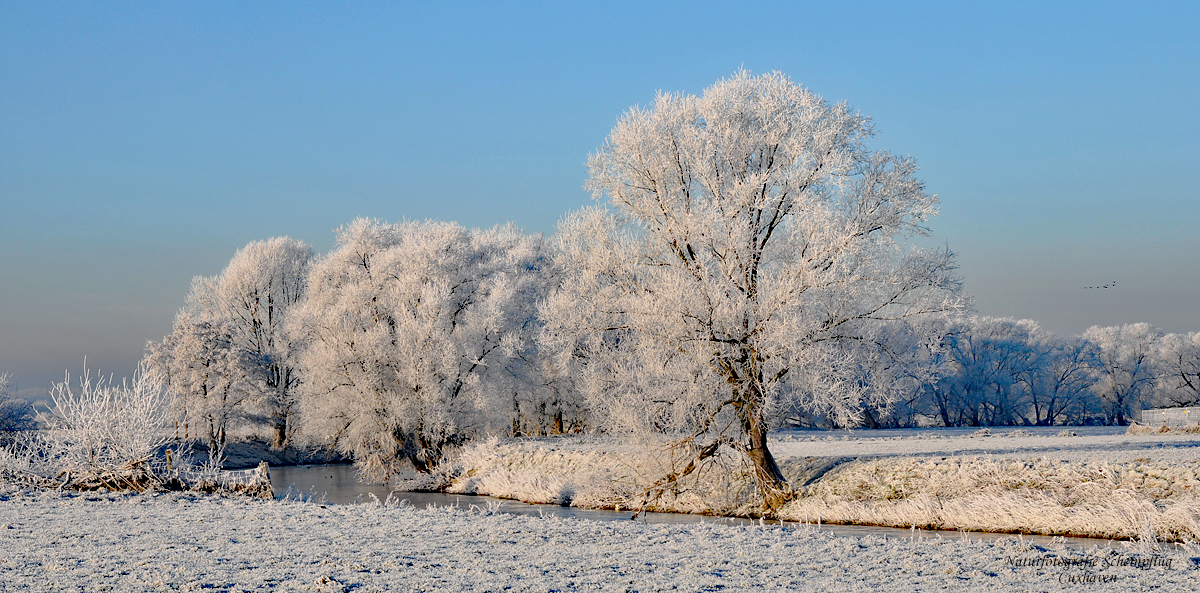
[
  {"x": 1142, "y": 487},
  {"x": 180, "y": 542}
]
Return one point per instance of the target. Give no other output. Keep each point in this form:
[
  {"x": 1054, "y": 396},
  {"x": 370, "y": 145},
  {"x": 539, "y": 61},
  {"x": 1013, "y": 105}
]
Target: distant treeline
[{"x": 988, "y": 371}]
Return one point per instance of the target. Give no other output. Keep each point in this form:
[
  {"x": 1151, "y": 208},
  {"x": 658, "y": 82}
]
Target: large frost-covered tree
[
  {"x": 417, "y": 336},
  {"x": 750, "y": 239}
]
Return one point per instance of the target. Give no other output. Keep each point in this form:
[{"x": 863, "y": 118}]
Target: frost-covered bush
[
  {"x": 103, "y": 426},
  {"x": 102, "y": 435},
  {"x": 99, "y": 435}
]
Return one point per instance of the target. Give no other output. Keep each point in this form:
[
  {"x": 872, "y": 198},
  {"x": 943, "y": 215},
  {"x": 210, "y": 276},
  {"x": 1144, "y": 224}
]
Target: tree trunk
[
  {"x": 944, "y": 410},
  {"x": 771, "y": 483},
  {"x": 516, "y": 423},
  {"x": 872, "y": 423},
  {"x": 280, "y": 428},
  {"x": 772, "y": 486}
]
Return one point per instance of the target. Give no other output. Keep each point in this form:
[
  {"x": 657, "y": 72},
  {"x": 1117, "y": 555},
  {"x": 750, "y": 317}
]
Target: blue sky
[{"x": 142, "y": 144}]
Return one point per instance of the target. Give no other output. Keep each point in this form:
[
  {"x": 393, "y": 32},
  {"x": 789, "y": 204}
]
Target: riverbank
[
  {"x": 181, "y": 542},
  {"x": 1104, "y": 485},
  {"x": 248, "y": 453}
]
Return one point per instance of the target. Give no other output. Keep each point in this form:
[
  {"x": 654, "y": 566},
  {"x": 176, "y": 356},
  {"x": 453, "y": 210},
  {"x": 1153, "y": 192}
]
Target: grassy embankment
[{"x": 1125, "y": 499}]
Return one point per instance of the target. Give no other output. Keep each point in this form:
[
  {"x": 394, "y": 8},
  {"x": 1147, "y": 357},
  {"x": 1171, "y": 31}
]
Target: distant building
[{"x": 1171, "y": 416}]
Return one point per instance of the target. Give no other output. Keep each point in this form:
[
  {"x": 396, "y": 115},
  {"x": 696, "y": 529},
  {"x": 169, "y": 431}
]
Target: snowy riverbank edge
[
  {"x": 55, "y": 542},
  {"x": 1057, "y": 490}
]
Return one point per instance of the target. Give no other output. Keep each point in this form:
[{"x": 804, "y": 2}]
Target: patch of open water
[{"x": 340, "y": 484}]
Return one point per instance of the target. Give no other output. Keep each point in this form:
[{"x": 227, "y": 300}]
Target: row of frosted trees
[
  {"x": 410, "y": 338},
  {"x": 750, "y": 264},
  {"x": 405, "y": 340}
]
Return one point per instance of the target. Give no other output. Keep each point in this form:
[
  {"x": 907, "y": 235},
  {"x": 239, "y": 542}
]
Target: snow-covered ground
[{"x": 168, "y": 542}]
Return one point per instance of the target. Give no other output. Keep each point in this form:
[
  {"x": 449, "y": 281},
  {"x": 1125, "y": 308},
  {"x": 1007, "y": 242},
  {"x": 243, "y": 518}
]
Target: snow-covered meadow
[{"x": 114, "y": 542}]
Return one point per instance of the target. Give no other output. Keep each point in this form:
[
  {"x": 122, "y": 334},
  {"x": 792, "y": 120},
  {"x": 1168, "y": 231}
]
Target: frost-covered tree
[
  {"x": 910, "y": 360},
  {"x": 200, "y": 361},
  {"x": 251, "y": 298},
  {"x": 993, "y": 366},
  {"x": 1066, "y": 372},
  {"x": 1128, "y": 366},
  {"x": 418, "y": 334},
  {"x": 1180, "y": 377},
  {"x": 1001, "y": 371},
  {"x": 547, "y": 401},
  {"x": 889, "y": 378},
  {"x": 750, "y": 241},
  {"x": 15, "y": 414}
]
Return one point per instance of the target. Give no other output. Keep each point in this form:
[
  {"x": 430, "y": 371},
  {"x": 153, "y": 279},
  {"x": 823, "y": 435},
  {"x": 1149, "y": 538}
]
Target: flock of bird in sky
[{"x": 1109, "y": 285}]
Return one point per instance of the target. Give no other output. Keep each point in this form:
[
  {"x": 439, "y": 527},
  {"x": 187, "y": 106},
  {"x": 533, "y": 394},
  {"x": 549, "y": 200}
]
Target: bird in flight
[{"x": 1109, "y": 285}]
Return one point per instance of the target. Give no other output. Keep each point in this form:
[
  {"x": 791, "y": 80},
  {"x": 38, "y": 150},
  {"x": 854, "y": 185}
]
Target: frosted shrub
[
  {"x": 105, "y": 426},
  {"x": 100, "y": 435}
]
